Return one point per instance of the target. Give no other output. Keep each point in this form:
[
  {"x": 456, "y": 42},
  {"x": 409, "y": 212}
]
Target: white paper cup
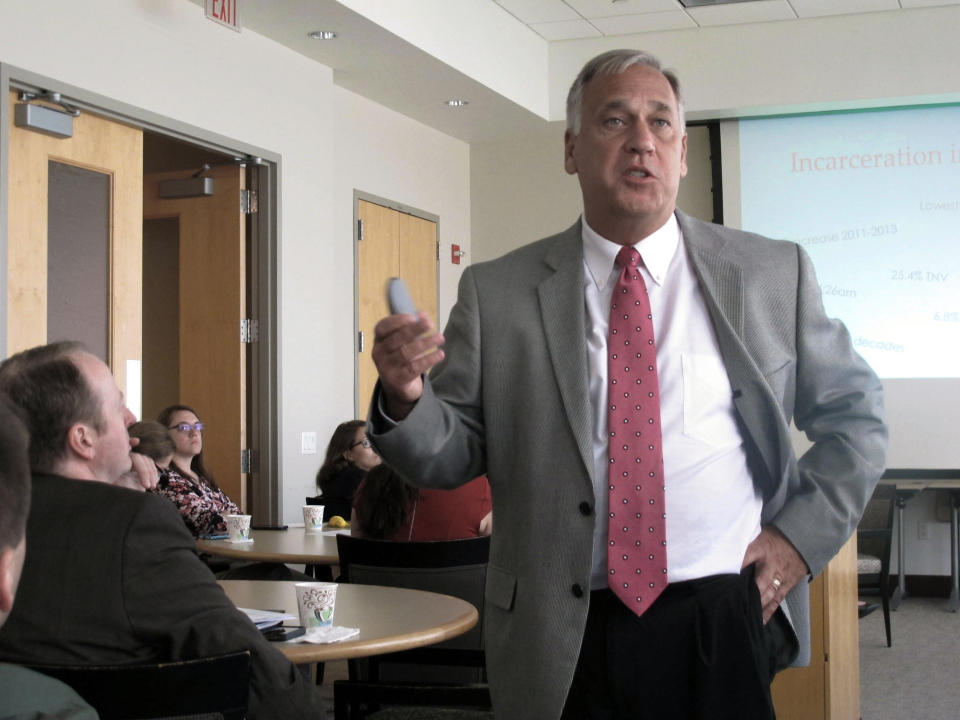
[
  {"x": 312, "y": 517},
  {"x": 315, "y": 601},
  {"x": 238, "y": 527}
]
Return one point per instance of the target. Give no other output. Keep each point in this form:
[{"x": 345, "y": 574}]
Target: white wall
[{"x": 165, "y": 57}]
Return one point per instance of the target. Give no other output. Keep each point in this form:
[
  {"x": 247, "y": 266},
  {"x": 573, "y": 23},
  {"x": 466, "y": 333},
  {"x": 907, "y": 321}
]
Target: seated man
[
  {"x": 23, "y": 693},
  {"x": 112, "y": 575}
]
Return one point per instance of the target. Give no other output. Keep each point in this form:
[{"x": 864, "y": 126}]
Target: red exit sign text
[{"x": 225, "y": 12}]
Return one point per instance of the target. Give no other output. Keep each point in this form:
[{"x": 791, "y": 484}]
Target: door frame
[
  {"x": 263, "y": 232},
  {"x": 358, "y": 195}
]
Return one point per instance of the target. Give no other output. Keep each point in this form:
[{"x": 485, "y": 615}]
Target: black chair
[
  {"x": 451, "y": 675},
  {"x": 215, "y": 688},
  {"x": 874, "y": 541}
]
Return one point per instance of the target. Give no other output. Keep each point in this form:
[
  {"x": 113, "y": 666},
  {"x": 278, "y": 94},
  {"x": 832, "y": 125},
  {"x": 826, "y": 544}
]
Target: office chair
[
  {"x": 456, "y": 685},
  {"x": 874, "y": 540},
  {"x": 214, "y": 688}
]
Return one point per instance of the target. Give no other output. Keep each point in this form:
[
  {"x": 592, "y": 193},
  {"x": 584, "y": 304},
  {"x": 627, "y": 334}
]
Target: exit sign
[{"x": 225, "y": 12}]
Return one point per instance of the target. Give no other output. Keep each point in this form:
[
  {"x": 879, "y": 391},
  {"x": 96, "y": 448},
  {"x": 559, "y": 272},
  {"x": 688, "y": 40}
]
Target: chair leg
[{"x": 885, "y": 602}]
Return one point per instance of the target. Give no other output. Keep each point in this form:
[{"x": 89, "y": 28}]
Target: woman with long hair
[
  {"x": 186, "y": 480},
  {"x": 386, "y": 508},
  {"x": 349, "y": 456}
]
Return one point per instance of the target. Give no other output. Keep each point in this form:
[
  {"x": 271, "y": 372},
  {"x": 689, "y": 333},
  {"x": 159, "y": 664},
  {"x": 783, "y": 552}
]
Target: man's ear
[
  {"x": 80, "y": 440},
  {"x": 569, "y": 145},
  {"x": 8, "y": 576}
]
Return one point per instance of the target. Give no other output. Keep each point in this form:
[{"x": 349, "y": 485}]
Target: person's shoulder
[
  {"x": 711, "y": 237},
  {"x": 84, "y": 491},
  {"x": 100, "y": 499},
  {"x": 25, "y": 693},
  {"x": 554, "y": 250}
]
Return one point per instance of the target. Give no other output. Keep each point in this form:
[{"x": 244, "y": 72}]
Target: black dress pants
[{"x": 700, "y": 652}]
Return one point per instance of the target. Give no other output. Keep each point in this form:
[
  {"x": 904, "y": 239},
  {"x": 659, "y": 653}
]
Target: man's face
[
  {"x": 630, "y": 153},
  {"x": 111, "y": 443}
]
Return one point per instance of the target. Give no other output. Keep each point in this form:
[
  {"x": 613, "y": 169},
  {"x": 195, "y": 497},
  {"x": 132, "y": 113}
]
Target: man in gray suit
[{"x": 519, "y": 392}]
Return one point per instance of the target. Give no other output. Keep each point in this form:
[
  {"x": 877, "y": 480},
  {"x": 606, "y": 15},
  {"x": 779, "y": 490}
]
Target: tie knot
[{"x": 628, "y": 257}]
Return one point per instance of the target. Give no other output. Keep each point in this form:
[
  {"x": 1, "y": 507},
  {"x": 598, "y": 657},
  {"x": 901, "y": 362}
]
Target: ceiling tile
[
  {"x": 820, "y": 8},
  {"x": 927, "y": 3},
  {"x": 539, "y": 11},
  {"x": 746, "y": 12},
  {"x": 648, "y": 22},
  {"x": 608, "y": 8},
  {"x": 566, "y": 30}
]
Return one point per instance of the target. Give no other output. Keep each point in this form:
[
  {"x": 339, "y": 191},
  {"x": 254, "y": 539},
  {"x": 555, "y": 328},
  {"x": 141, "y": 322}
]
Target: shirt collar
[{"x": 657, "y": 251}]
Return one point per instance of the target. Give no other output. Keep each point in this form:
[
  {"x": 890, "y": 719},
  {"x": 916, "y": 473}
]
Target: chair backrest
[
  {"x": 215, "y": 687},
  {"x": 875, "y": 529},
  {"x": 451, "y": 567},
  {"x": 315, "y": 500}
]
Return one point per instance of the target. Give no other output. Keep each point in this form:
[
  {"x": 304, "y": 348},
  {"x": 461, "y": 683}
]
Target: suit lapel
[
  {"x": 562, "y": 311},
  {"x": 721, "y": 281}
]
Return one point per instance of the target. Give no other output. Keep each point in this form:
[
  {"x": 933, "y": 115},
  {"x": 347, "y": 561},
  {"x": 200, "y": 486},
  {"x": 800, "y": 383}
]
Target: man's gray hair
[{"x": 611, "y": 63}]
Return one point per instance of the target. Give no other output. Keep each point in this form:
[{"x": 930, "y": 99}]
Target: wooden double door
[
  {"x": 390, "y": 243},
  {"x": 76, "y": 213}
]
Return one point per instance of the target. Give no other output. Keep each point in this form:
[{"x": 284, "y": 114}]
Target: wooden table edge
[
  {"x": 241, "y": 552},
  {"x": 301, "y": 653}
]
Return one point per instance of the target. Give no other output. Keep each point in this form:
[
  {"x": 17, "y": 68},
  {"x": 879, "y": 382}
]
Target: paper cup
[
  {"x": 315, "y": 601},
  {"x": 312, "y": 517},
  {"x": 238, "y": 527}
]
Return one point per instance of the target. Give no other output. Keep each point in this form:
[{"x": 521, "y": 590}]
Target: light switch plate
[{"x": 308, "y": 443}]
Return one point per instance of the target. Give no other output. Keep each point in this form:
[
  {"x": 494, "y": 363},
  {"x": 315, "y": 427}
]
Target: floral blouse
[{"x": 201, "y": 506}]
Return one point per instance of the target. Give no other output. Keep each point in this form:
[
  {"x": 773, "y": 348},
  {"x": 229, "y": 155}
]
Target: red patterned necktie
[{"x": 637, "y": 545}]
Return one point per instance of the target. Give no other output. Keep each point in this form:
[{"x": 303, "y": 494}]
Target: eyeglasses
[
  {"x": 365, "y": 442},
  {"x": 187, "y": 427}
]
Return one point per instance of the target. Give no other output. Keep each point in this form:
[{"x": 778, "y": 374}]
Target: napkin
[{"x": 328, "y": 634}]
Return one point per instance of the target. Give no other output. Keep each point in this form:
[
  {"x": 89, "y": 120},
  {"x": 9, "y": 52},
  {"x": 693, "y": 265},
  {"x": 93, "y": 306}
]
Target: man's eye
[{"x": 613, "y": 122}]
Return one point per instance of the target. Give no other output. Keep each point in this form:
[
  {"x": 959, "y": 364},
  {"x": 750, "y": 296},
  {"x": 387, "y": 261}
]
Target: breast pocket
[{"x": 707, "y": 400}]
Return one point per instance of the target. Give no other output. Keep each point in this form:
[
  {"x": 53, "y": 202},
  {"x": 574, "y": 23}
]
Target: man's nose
[
  {"x": 128, "y": 417},
  {"x": 641, "y": 139}
]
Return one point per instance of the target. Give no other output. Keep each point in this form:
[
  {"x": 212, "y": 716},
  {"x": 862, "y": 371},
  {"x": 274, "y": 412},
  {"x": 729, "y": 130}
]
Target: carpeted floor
[{"x": 919, "y": 677}]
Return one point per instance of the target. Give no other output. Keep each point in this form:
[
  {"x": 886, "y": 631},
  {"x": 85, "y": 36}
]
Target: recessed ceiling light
[
  {"x": 322, "y": 35},
  {"x": 457, "y": 103}
]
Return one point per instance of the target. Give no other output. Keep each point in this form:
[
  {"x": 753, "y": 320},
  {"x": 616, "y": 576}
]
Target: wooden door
[
  {"x": 210, "y": 293},
  {"x": 394, "y": 244},
  {"x": 113, "y": 153}
]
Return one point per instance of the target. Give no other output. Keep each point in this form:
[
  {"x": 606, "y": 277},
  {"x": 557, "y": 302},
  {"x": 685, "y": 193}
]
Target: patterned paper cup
[
  {"x": 238, "y": 527},
  {"x": 315, "y": 601},
  {"x": 312, "y": 517}
]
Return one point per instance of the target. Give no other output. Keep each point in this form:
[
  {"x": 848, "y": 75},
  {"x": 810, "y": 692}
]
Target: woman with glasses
[
  {"x": 349, "y": 457},
  {"x": 186, "y": 480}
]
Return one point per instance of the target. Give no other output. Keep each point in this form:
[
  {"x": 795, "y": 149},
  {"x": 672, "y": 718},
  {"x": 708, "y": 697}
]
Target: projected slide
[{"x": 874, "y": 197}]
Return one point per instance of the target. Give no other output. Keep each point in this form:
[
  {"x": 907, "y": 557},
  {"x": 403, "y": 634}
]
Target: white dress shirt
[{"x": 713, "y": 509}]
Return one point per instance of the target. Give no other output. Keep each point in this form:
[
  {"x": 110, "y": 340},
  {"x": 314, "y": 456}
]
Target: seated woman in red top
[{"x": 386, "y": 508}]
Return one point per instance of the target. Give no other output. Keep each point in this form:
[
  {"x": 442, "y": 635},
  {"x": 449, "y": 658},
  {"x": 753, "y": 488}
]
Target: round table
[
  {"x": 294, "y": 545},
  {"x": 390, "y": 619}
]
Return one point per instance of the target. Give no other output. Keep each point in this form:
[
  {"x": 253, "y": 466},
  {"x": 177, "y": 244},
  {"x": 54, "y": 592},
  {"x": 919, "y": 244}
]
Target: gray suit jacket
[{"x": 511, "y": 400}]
